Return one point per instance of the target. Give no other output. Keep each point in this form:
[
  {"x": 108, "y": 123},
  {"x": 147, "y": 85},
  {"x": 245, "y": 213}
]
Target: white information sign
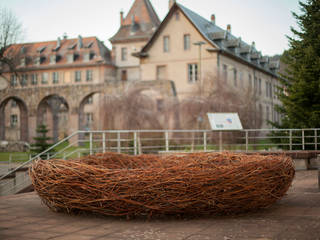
[{"x": 225, "y": 121}]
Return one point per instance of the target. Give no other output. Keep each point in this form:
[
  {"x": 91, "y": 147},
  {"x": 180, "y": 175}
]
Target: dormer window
[
  {"x": 86, "y": 57},
  {"x": 70, "y": 58},
  {"x": 37, "y": 60},
  {"x": 53, "y": 59},
  {"x": 23, "y": 62}
]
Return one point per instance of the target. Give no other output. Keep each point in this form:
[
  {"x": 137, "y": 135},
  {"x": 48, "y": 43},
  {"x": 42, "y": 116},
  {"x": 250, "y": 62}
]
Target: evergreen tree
[
  {"x": 41, "y": 140},
  {"x": 301, "y": 96}
]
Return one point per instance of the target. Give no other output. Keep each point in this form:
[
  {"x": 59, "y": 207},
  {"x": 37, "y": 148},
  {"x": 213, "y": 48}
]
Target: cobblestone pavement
[{"x": 297, "y": 216}]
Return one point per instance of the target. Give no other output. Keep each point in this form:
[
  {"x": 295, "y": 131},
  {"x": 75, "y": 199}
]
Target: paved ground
[{"x": 297, "y": 216}]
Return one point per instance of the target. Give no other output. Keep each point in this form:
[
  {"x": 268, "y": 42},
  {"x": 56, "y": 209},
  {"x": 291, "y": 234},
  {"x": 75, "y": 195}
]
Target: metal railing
[{"x": 135, "y": 142}]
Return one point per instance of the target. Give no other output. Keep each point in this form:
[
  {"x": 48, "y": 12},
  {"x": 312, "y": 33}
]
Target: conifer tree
[
  {"x": 301, "y": 96},
  {"x": 41, "y": 140}
]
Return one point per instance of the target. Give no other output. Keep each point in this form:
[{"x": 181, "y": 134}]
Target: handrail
[{"x": 37, "y": 156}]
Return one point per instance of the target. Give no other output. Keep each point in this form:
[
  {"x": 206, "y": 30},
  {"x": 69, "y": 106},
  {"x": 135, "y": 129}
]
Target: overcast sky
[{"x": 264, "y": 21}]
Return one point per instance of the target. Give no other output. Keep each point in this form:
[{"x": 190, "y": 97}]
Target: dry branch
[{"x": 198, "y": 183}]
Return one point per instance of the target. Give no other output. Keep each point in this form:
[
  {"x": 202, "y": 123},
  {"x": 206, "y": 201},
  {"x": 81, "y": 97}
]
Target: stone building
[
  {"x": 47, "y": 69},
  {"x": 61, "y": 83},
  {"x": 134, "y": 32},
  {"x": 188, "y": 49}
]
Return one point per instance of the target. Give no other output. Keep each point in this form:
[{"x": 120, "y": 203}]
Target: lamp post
[{"x": 200, "y": 43}]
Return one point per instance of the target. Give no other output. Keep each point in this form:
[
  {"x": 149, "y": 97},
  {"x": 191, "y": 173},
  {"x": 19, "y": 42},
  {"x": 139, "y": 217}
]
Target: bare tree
[{"x": 10, "y": 33}]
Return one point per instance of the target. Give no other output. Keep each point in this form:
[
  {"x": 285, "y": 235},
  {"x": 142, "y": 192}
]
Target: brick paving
[{"x": 297, "y": 216}]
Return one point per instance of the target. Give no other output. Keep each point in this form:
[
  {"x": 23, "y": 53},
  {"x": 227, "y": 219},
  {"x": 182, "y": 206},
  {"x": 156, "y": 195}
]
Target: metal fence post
[
  {"x": 205, "y": 141},
  {"x": 315, "y": 140},
  {"x": 290, "y": 139},
  {"x": 104, "y": 142},
  {"x": 90, "y": 143},
  {"x": 220, "y": 141},
  {"x": 167, "y": 140},
  {"x": 247, "y": 141},
  {"x": 302, "y": 139},
  {"x": 118, "y": 143},
  {"x": 135, "y": 142}
]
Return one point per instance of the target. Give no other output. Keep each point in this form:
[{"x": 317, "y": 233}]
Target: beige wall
[
  {"x": 177, "y": 59},
  {"x": 131, "y": 64}
]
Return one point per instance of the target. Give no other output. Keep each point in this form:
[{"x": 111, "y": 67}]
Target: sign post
[{"x": 224, "y": 122}]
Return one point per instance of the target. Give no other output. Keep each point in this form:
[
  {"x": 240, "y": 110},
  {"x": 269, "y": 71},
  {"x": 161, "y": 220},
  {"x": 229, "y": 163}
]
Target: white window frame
[{"x": 193, "y": 72}]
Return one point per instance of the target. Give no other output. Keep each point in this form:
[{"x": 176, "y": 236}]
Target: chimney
[
  {"x": 213, "y": 19},
  {"x": 229, "y": 28},
  {"x": 121, "y": 18},
  {"x": 58, "y": 43},
  {"x": 171, "y": 3},
  {"x": 65, "y": 36},
  {"x": 80, "y": 42}
]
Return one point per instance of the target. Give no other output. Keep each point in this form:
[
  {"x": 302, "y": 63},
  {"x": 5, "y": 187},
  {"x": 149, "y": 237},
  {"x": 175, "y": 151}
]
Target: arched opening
[
  {"x": 89, "y": 112},
  {"x": 14, "y": 120},
  {"x": 53, "y": 111}
]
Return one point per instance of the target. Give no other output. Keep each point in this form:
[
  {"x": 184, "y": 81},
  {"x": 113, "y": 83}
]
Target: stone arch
[
  {"x": 57, "y": 108},
  {"x": 23, "y": 118},
  {"x": 92, "y": 99}
]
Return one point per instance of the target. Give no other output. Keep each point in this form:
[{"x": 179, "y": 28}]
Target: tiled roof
[
  {"x": 140, "y": 23},
  {"x": 79, "y": 48},
  {"x": 228, "y": 43},
  {"x": 221, "y": 39}
]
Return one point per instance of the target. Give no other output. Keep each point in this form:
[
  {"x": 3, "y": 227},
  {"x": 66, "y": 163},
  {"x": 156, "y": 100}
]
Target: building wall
[
  {"x": 212, "y": 64},
  {"x": 130, "y": 64},
  {"x": 177, "y": 59}
]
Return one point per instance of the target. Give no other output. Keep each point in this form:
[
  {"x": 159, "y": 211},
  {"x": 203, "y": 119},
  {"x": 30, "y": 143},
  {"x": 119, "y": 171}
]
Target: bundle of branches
[{"x": 197, "y": 183}]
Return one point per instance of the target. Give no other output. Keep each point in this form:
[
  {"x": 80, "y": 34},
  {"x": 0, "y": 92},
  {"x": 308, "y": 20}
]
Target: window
[
  {"x": 267, "y": 89},
  {"x": 24, "y": 80},
  {"x": 124, "y": 76},
  {"x": 268, "y": 113},
  {"x": 90, "y": 100},
  {"x": 13, "y": 81},
  {"x": 123, "y": 54},
  {"x": 255, "y": 84},
  {"x": 70, "y": 58},
  {"x": 250, "y": 81},
  {"x": 235, "y": 77},
  {"x": 225, "y": 72},
  {"x": 270, "y": 90},
  {"x": 186, "y": 41},
  {"x": 241, "y": 79},
  {"x": 86, "y": 57},
  {"x": 77, "y": 76},
  {"x": 259, "y": 85},
  {"x": 44, "y": 78},
  {"x": 192, "y": 73},
  {"x": 13, "y": 120},
  {"x": 161, "y": 72},
  {"x": 34, "y": 79},
  {"x": 55, "y": 77},
  {"x": 275, "y": 91},
  {"x": 53, "y": 59},
  {"x": 166, "y": 46},
  {"x": 89, "y": 119},
  {"x": 89, "y": 75},
  {"x": 13, "y": 103}
]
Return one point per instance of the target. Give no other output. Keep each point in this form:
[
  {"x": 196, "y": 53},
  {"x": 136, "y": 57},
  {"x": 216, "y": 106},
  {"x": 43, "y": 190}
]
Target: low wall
[{"x": 14, "y": 146}]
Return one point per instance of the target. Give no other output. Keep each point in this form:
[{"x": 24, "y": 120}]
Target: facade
[
  {"x": 58, "y": 82},
  {"x": 188, "y": 49},
  {"x": 47, "y": 67},
  {"x": 134, "y": 32}
]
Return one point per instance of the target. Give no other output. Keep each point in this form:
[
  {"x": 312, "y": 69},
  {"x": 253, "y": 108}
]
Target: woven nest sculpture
[{"x": 197, "y": 183}]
